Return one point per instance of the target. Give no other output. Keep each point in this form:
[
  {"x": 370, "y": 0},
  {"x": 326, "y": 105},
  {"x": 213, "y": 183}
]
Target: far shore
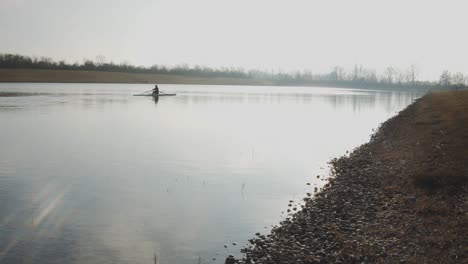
[
  {"x": 68, "y": 76},
  {"x": 75, "y": 76}
]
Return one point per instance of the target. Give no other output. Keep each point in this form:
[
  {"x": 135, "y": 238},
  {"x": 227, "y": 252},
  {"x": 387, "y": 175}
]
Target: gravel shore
[{"x": 401, "y": 198}]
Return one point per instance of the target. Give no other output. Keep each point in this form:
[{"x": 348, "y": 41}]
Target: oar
[{"x": 148, "y": 91}]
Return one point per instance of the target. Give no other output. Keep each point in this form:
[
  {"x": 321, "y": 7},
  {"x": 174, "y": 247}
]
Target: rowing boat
[{"x": 154, "y": 95}]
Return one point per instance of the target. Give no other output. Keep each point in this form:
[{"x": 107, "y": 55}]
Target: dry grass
[
  {"x": 442, "y": 130},
  {"x": 432, "y": 137}
]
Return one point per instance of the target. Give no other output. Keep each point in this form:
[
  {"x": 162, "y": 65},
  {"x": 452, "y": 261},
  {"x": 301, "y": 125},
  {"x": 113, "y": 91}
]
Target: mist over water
[{"x": 91, "y": 174}]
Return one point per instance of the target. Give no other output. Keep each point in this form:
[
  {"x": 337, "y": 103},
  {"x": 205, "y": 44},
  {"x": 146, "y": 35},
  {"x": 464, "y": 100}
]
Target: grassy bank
[
  {"x": 432, "y": 134},
  {"x": 401, "y": 198},
  {"x": 66, "y": 76}
]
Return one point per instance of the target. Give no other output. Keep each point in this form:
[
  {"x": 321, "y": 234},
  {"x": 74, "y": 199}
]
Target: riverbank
[
  {"x": 81, "y": 76},
  {"x": 401, "y": 198}
]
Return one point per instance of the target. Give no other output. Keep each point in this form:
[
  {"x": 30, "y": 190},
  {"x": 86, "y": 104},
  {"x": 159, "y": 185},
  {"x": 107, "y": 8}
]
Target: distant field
[{"x": 64, "y": 76}]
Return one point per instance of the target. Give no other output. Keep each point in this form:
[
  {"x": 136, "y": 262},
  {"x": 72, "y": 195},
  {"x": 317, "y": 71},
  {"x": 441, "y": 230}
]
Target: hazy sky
[{"x": 266, "y": 34}]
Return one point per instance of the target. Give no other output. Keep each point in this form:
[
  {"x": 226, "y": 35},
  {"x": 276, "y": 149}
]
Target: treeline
[
  {"x": 100, "y": 64},
  {"x": 338, "y": 77}
]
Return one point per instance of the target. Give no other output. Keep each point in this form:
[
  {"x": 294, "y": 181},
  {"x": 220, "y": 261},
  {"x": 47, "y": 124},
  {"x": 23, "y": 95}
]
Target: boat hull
[{"x": 153, "y": 95}]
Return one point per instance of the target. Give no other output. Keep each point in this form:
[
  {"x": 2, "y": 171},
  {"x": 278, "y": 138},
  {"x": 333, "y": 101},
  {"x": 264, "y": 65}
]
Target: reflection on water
[
  {"x": 91, "y": 174},
  {"x": 156, "y": 99}
]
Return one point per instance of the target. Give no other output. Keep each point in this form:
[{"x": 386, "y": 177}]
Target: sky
[{"x": 262, "y": 34}]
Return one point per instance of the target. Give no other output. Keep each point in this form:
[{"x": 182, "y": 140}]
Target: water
[{"x": 91, "y": 174}]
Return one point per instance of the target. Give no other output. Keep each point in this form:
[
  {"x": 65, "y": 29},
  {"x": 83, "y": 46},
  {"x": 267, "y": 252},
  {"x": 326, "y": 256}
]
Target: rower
[{"x": 156, "y": 90}]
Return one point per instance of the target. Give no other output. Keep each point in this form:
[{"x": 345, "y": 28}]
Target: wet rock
[{"x": 230, "y": 260}]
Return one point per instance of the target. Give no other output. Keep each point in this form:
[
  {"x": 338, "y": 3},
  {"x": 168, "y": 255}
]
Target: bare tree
[
  {"x": 413, "y": 74},
  {"x": 458, "y": 79},
  {"x": 369, "y": 75},
  {"x": 445, "y": 79},
  {"x": 357, "y": 73},
  {"x": 100, "y": 60},
  {"x": 337, "y": 74},
  {"x": 389, "y": 74},
  {"x": 400, "y": 76}
]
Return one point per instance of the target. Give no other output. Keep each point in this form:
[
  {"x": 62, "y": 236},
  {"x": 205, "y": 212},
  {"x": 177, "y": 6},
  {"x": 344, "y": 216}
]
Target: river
[{"x": 91, "y": 174}]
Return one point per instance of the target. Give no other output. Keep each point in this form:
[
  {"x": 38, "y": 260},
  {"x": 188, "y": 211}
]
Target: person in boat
[{"x": 156, "y": 90}]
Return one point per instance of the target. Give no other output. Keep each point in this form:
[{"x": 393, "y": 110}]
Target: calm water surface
[{"x": 91, "y": 174}]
